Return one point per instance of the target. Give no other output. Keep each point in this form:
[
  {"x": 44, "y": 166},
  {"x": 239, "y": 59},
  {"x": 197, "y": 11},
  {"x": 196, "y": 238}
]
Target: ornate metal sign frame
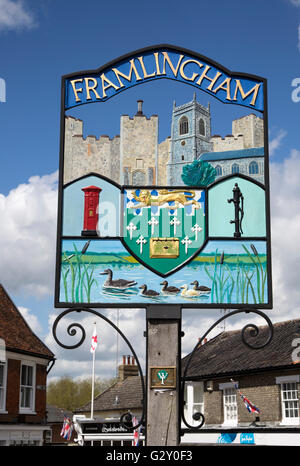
[{"x": 83, "y": 87}]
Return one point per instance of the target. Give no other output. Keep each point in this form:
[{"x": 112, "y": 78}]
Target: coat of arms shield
[{"x": 164, "y": 228}]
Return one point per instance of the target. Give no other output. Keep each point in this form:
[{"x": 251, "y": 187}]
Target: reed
[
  {"x": 261, "y": 273},
  {"x": 225, "y": 281},
  {"x": 81, "y": 276}
]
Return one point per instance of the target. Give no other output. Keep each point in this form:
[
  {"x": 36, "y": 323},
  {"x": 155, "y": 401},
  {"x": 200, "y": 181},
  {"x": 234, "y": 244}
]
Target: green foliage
[
  {"x": 69, "y": 394},
  {"x": 239, "y": 278},
  {"x": 198, "y": 173},
  {"x": 81, "y": 277}
]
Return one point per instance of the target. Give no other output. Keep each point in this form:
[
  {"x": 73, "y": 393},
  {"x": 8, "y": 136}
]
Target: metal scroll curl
[
  {"x": 73, "y": 329},
  {"x": 249, "y": 330}
]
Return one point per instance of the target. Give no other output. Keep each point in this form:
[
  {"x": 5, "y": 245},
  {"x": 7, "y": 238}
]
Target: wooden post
[{"x": 163, "y": 351}]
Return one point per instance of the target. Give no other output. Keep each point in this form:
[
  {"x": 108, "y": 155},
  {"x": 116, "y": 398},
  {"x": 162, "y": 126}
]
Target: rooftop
[
  {"x": 233, "y": 154},
  {"x": 126, "y": 394},
  {"x": 226, "y": 354},
  {"x": 15, "y": 331}
]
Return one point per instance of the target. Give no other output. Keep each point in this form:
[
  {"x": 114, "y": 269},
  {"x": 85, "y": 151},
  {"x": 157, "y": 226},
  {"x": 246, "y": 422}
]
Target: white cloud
[
  {"x": 27, "y": 242},
  {"x": 285, "y": 215},
  {"x": 15, "y": 16},
  {"x": 31, "y": 319},
  {"x": 27, "y": 236},
  {"x": 78, "y": 361},
  {"x": 276, "y": 141},
  {"x": 295, "y": 2}
]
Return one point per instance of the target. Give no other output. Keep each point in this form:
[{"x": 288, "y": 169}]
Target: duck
[
  {"x": 202, "y": 288},
  {"x": 119, "y": 283},
  {"x": 169, "y": 289},
  {"x": 189, "y": 293},
  {"x": 146, "y": 292}
]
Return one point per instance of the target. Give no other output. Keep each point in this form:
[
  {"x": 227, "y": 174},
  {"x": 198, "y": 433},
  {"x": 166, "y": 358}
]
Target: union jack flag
[
  {"x": 136, "y": 435},
  {"x": 250, "y": 406},
  {"x": 67, "y": 428}
]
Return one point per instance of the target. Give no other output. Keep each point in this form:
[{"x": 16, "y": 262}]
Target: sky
[{"x": 40, "y": 42}]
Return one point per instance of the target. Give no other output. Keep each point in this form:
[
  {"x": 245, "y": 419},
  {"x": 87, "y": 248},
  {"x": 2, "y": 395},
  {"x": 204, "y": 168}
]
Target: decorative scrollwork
[
  {"x": 254, "y": 331},
  {"x": 72, "y": 331}
]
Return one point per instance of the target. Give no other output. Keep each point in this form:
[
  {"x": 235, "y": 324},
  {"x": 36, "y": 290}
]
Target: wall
[
  {"x": 13, "y": 394},
  {"x": 261, "y": 389}
]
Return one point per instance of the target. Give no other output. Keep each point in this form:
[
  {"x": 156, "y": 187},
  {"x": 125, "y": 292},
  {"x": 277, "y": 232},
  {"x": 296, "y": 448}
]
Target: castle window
[
  {"x": 218, "y": 169},
  {"x": 253, "y": 168},
  {"x": 235, "y": 168},
  {"x": 183, "y": 125},
  {"x": 139, "y": 163},
  {"x": 182, "y": 157},
  {"x": 201, "y": 127}
]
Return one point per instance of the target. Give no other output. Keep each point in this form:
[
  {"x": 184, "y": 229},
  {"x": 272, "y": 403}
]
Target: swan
[{"x": 189, "y": 293}]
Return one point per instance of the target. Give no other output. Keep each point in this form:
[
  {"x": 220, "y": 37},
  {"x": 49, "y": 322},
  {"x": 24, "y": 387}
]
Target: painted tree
[{"x": 198, "y": 173}]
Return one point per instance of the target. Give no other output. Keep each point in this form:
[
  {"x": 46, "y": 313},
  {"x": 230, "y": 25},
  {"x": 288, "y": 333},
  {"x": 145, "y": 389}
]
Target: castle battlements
[{"x": 136, "y": 157}]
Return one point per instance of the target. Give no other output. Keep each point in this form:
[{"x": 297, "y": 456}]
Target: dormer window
[{"x": 183, "y": 125}]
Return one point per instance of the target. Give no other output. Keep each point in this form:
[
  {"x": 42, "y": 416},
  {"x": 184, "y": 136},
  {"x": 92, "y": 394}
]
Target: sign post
[
  {"x": 183, "y": 221},
  {"x": 163, "y": 363}
]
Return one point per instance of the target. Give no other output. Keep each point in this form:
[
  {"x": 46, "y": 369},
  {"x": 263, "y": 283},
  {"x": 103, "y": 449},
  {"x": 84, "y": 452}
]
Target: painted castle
[{"x": 135, "y": 157}]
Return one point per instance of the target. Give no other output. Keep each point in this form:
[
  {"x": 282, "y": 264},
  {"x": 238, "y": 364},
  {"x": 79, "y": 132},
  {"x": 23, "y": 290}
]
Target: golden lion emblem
[{"x": 179, "y": 197}]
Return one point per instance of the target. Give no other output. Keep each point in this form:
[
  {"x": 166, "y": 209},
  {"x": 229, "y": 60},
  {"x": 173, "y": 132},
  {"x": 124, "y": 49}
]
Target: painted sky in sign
[{"x": 42, "y": 41}]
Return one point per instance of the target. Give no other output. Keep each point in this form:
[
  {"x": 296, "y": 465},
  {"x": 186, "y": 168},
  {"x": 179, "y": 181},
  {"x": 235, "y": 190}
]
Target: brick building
[
  {"x": 268, "y": 377},
  {"x": 55, "y": 420},
  {"x": 24, "y": 363}
]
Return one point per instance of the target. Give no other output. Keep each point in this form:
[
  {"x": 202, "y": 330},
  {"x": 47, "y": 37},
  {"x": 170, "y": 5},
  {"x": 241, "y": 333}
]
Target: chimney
[
  {"x": 140, "y": 107},
  {"x": 128, "y": 368}
]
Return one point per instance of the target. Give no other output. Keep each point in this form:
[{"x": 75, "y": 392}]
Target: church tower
[{"x": 190, "y": 137}]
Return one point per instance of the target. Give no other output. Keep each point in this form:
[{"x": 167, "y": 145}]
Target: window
[
  {"x": 235, "y": 168},
  {"x": 218, "y": 169},
  {"x": 253, "y": 168},
  {"x": 27, "y": 387},
  {"x": 201, "y": 127},
  {"x": 290, "y": 403},
  {"x": 183, "y": 125},
  {"x": 230, "y": 406},
  {"x": 139, "y": 163},
  {"x": 289, "y": 398},
  {"x": 2, "y": 385},
  {"x": 194, "y": 402}
]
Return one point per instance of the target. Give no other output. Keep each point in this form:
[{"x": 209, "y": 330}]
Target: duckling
[
  {"x": 189, "y": 293},
  {"x": 145, "y": 292},
  {"x": 202, "y": 288},
  {"x": 120, "y": 283},
  {"x": 169, "y": 289}
]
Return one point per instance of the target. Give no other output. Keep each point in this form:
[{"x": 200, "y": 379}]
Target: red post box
[{"x": 91, "y": 203}]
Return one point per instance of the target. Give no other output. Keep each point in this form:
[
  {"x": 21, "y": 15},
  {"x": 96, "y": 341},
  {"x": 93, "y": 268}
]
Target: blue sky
[{"x": 41, "y": 41}]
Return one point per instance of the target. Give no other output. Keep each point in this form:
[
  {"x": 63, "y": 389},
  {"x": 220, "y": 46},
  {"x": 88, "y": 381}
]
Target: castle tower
[
  {"x": 139, "y": 149},
  {"x": 190, "y": 137}
]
